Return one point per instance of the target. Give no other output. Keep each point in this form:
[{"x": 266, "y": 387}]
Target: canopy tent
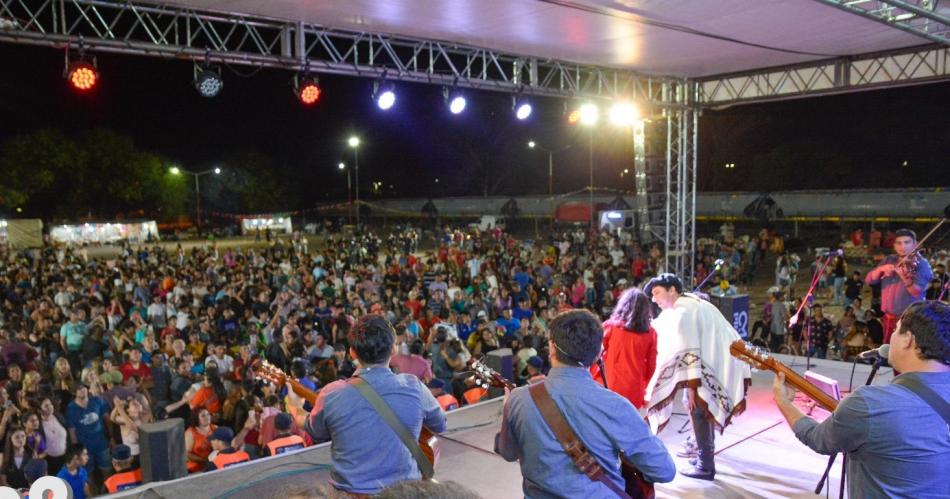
[{"x": 683, "y": 39}]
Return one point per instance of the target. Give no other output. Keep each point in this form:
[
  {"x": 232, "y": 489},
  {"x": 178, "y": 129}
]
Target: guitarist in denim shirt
[
  {"x": 897, "y": 443},
  {"x": 607, "y": 423}
]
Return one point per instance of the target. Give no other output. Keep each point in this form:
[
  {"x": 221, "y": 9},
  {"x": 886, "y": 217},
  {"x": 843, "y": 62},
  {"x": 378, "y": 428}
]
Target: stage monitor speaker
[
  {"x": 162, "y": 446},
  {"x": 735, "y": 308},
  {"x": 500, "y": 360}
]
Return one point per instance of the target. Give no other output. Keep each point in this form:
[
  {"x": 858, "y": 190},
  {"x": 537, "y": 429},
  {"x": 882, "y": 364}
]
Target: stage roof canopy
[{"x": 693, "y": 38}]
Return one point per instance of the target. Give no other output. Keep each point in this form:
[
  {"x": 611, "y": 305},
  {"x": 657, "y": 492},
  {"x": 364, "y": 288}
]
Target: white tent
[{"x": 22, "y": 232}]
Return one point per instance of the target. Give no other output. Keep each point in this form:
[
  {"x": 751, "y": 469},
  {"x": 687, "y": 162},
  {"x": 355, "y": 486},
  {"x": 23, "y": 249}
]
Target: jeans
[
  {"x": 839, "y": 288},
  {"x": 705, "y": 436}
]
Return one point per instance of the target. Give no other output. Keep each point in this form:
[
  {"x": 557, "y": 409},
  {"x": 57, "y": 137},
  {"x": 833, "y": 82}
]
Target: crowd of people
[{"x": 94, "y": 348}]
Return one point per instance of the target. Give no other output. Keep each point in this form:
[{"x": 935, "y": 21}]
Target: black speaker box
[{"x": 162, "y": 446}]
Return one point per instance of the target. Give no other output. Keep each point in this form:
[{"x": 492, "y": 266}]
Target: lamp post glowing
[
  {"x": 349, "y": 186},
  {"x": 534, "y": 145},
  {"x": 178, "y": 171},
  {"x": 589, "y": 115},
  {"x": 354, "y": 142}
]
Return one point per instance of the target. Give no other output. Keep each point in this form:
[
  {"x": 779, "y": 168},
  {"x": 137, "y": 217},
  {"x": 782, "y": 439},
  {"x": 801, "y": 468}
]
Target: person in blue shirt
[
  {"x": 510, "y": 324},
  {"x": 84, "y": 420},
  {"x": 897, "y": 444},
  {"x": 340, "y": 414},
  {"x": 74, "y": 472},
  {"x": 607, "y": 423},
  {"x": 522, "y": 310}
]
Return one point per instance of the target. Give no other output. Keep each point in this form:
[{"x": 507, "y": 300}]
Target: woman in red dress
[{"x": 629, "y": 352}]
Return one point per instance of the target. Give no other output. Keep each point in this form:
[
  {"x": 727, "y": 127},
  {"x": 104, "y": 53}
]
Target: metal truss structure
[
  {"x": 682, "y": 127},
  {"x": 829, "y": 76},
  {"x": 175, "y": 32},
  {"x": 920, "y": 17}
]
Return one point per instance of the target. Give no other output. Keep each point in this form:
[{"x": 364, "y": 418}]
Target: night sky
[{"x": 856, "y": 140}]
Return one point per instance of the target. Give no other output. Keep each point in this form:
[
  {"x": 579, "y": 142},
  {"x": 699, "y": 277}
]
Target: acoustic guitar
[
  {"x": 636, "y": 486},
  {"x": 760, "y": 359},
  {"x": 265, "y": 370}
]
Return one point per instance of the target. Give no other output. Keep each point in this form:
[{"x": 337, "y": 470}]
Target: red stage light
[
  {"x": 309, "y": 92},
  {"x": 82, "y": 76}
]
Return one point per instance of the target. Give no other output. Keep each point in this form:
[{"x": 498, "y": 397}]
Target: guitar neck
[
  {"x": 826, "y": 401},
  {"x": 304, "y": 392}
]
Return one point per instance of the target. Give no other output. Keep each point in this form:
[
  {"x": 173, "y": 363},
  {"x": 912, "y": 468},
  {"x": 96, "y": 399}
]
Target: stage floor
[{"x": 757, "y": 456}]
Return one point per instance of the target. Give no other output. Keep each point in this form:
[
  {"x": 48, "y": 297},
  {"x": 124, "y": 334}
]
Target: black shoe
[{"x": 698, "y": 472}]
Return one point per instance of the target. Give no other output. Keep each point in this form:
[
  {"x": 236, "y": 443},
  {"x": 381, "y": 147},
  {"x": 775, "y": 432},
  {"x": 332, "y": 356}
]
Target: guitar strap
[
  {"x": 575, "y": 449},
  {"x": 368, "y": 393},
  {"x": 938, "y": 404}
]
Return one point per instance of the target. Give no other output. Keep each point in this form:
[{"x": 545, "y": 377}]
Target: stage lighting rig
[
  {"x": 455, "y": 100},
  {"x": 81, "y": 71},
  {"x": 208, "y": 80},
  {"x": 307, "y": 89},
  {"x": 522, "y": 107},
  {"x": 384, "y": 94}
]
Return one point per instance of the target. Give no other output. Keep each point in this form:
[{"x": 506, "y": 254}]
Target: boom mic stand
[
  {"x": 805, "y": 299},
  {"x": 844, "y": 460},
  {"x": 715, "y": 270}
]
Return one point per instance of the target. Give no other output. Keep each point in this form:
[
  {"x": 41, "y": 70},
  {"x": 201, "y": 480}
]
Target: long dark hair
[{"x": 634, "y": 310}]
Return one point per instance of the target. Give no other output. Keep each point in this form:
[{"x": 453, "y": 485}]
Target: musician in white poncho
[{"x": 693, "y": 341}]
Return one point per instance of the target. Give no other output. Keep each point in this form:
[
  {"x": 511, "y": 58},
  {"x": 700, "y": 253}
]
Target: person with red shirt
[
  {"x": 414, "y": 304},
  {"x": 135, "y": 366},
  {"x": 629, "y": 352}
]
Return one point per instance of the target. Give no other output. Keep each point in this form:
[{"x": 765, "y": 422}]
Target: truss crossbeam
[
  {"x": 890, "y": 69},
  {"x": 175, "y": 32}
]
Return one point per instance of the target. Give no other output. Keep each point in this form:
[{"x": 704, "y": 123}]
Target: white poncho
[{"x": 693, "y": 341}]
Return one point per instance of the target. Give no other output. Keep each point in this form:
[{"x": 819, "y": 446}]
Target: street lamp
[
  {"x": 589, "y": 115},
  {"x": 534, "y": 145},
  {"x": 178, "y": 171},
  {"x": 354, "y": 142},
  {"x": 349, "y": 186}
]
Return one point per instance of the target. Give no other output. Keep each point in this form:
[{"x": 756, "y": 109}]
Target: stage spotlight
[
  {"x": 308, "y": 90},
  {"x": 573, "y": 117},
  {"x": 384, "y": 94},
  {"x": 589, "y": 114},
  {"x": 623, "y": 114},
  {"x": 523, "y": 110},
  {"x": 208, "y": 81},
  {"x": 457, "y": 104},
  {"x": 386, "y": 99},
  {"x": 82, "y": 75}
]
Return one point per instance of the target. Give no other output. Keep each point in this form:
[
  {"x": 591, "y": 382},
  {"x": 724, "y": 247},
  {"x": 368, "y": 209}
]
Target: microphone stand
[
  {"x": 844, "y": 460},
  {"x": 715, "y": 270},
  {"x": 805, "y": 299}
]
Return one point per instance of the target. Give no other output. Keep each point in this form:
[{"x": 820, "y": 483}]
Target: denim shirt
[
  {"x": 367, "y": 455},
  {"x": 897, "y": 445},
  {"x": 605, "y": 422}
]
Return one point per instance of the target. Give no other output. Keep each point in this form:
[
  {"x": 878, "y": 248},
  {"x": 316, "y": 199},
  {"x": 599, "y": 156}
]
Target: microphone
[{"x": 878, "y": 354}]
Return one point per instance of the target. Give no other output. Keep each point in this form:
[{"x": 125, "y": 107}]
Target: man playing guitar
[
  {"x": 607, "y": 424},
  {"x": 896, "y": 437},
  {"x": 367, "y": 454}
]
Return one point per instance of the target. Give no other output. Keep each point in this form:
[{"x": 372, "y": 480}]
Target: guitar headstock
[
  {"x": 486, "y": 377},
  {"x": 759, "y": 358},
  {"x": 267, "y": 371}
]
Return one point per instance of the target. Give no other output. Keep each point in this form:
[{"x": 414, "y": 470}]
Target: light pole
[
  {"x": 178, "y": 171},
  {"x": 354, "y": 142},
  {"x": 349, "y": 188},
  {"x": 588, "y": 116},
  {"x": 534, "y": 145}
]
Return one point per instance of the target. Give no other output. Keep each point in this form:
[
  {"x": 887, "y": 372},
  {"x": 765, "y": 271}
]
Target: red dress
[{"x": 630, "y": 359}]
